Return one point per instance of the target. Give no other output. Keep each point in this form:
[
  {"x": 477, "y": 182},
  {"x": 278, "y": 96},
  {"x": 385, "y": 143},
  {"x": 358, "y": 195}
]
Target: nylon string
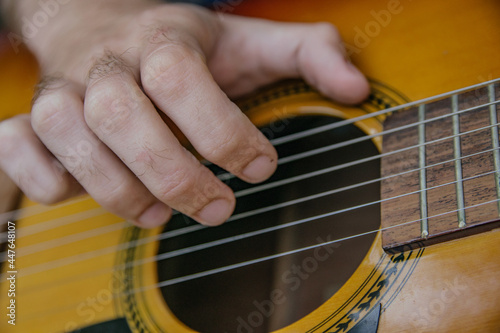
[
  {"x": 190, "y": 277},
  {"x": 37, "y": 209},
  {"x": 89, "y": 234},
  {"x": 110, "y": 228}
]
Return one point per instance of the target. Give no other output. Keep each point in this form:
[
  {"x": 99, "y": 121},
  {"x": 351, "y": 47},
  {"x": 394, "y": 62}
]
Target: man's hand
[{"x": 121, "y": 77}]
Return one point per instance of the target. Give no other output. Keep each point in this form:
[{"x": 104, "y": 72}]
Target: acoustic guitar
[{"x": 380, "y": 218}]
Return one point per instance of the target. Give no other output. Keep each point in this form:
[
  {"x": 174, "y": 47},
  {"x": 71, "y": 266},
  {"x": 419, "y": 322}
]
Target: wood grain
[
  {"x": 429, "y": 48},
  {"x": 403, "y": 209}
]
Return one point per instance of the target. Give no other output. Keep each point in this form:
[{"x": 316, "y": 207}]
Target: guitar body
[{"x": 79, "y": 267}]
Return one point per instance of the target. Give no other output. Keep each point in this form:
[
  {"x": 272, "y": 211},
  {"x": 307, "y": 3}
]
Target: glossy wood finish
[
  {"x": 423, "y": 49},
  {"x": 427, "y": 48}
]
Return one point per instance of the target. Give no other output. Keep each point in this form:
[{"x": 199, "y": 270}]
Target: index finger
[{"x": 176, "y": 78}]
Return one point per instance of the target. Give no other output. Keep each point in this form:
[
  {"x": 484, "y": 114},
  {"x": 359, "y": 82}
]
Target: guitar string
[
  {"x": 246, "y": 192},
  {"x": 70, "y": 239},
  {"x": 223, "y": 241},
  {"x": 332, "y": 147},
  {"x": 239, "y": 194},
  {"x": 384, "y": 112},
  {"x": 30, "y": 270},
  {"x": 430, "y": 142},
  {"x": 239, "y": 265},
  {"x": 36, "y": 209},
  {"x": 43, "y": 246},
  {"x": 91, "y": 213},
  {"x": 61, "y": 242},
  {"x": 275, "y": 184},
  {"x": 190, "y": 277},
  {"x": 62, "y": 221}
]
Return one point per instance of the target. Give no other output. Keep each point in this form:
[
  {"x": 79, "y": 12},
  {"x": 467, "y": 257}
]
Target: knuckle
[
  {"x": 233, "y": 152},
  {"x": 12, "y": 132},
  {"x": 16, "y": 136},
  {"x": 114, "y": 197},
  {"x": 107, "y": 106},
  {"x": 168, "y": 68},
  {"x": 128, "y": 199},
  {"x": 78, "y": 159},
  {"x": 221, "y": 148},
  {"x": 60, "y": 186},
  {"x": 177, "y": 186},
  {"x": 47, "y": 112}
]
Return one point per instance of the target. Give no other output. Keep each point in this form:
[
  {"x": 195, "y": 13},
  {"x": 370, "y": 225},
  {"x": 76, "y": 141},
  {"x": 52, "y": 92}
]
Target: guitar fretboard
[{"x": 440, "y": 171}]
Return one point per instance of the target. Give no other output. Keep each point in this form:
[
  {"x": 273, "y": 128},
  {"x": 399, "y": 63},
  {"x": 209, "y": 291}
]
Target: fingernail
[
  {"x": 216, "y": 212},
  {"x": 155, "y": 216},
  {"x": 260, "y": 169}
]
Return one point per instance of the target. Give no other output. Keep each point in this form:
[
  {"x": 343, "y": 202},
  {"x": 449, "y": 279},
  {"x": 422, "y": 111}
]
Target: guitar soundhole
[{"x": 272, "y": 294}]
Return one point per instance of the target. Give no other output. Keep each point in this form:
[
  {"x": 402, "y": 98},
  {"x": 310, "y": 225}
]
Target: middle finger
[{"x": 145, "y": 144}]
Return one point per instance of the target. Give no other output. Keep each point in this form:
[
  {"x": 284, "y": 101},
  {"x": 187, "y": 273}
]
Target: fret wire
[
  {"x": 424, "y": 224},
  {"x": 458, "y": 163},
  {"x": 494, "y": 140}
]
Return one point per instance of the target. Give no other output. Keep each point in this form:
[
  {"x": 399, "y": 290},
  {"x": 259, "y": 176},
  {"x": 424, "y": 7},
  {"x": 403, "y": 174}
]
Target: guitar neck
[{"x": 440, "y": 169}]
